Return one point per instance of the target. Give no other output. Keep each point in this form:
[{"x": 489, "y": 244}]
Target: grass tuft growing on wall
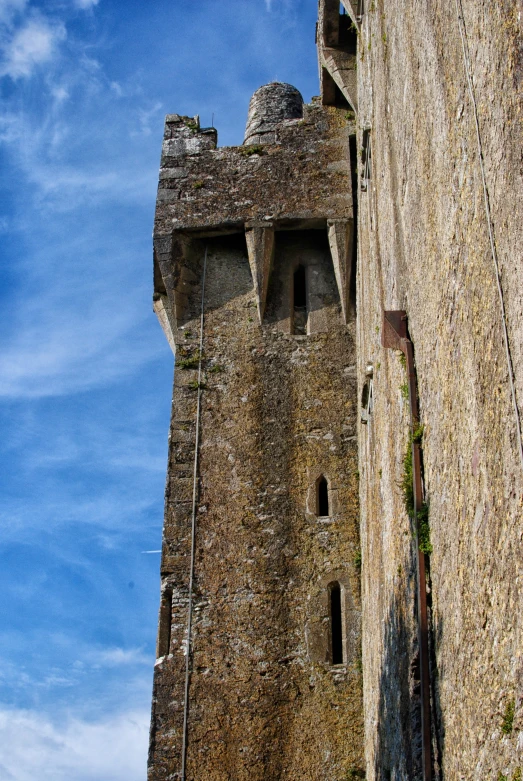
[
  {"x": 253, "y": 149},
  {"x": 507, "y": 725},
  {"x": 407, "y": 487},
  {"x": 189, "y": 362}
]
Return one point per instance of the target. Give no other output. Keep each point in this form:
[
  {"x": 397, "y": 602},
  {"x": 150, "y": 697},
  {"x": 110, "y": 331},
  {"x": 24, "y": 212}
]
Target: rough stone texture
[
  {"x": 305, "y": 174},
  {"x": 336, "y": 41},
  {"x": 271, "y": 105},
  {"x": 423, "y": 247},
  {"x": 278, "y": 411},
  {"x": 301, "y": 181}
]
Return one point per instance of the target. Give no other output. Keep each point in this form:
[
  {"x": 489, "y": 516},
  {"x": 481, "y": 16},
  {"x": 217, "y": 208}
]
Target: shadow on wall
[
  {"x": 306, "y": 251},
  {"x": 399, "y": 737},
  {"x": 228, "y": 260}
]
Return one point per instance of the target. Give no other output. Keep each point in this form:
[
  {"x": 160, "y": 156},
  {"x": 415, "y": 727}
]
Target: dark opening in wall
[
  {"x": 322, "y": 497},
  {"x": 331, "y": 93},
  {"x": 164, "y": 631},
  {"x": 366, "y": 159},
  {"x": 300, "y": 301},
  {"x": 365, "y": 396},
  {"x": 367, "y": 393},
  {"x": 348, "y": 36},
  {"x": 336, "y": 638}
]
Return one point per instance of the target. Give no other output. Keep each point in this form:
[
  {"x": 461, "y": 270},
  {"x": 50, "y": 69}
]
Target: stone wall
[
  {"x": 278, "y": 412},
  {"x": 424, "y": 247}
]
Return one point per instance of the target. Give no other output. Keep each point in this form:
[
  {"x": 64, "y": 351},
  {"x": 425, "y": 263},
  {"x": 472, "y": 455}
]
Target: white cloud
[
  {"x": 33, "y": 44},
  {"x": 111, "y": 749},
  {"x": 146, "y": 116},
  {"x": 116, "y": 88},
  {"x": 68, "y": 351},
  {"x": 282, "y": 7},
  {"x": 120, "y": 656},
  {"x": 85, "y": 4},
  {"x": 8, "y": 8},
  {"x": 59, "y": 93}
]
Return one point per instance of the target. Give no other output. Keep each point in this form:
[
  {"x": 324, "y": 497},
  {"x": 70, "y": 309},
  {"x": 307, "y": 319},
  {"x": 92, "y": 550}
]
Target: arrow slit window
[
  {"x": 299, "y": 294},
  {"x": 335, "y": 624}
]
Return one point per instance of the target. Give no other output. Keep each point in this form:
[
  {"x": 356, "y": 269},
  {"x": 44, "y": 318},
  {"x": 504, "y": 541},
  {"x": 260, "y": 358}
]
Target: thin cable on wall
[
  {"x": 468, "y": 72},
  {"x": 193, "y": 530}
]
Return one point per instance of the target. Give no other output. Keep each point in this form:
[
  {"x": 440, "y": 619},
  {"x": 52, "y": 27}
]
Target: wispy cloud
[
  {"x": 8, "y": 9},
  {"x": 33, "y": 44},
  {"x": 70, "y": 355},
  {"x": 280, "y": 5},
  {"x": 33, "y": 747},
  {"x": 85, "y": 4},
  {"x": 146, "y": 115},
  {"x": 85, "y": 373},
  {"x": 123, "y": 656}
]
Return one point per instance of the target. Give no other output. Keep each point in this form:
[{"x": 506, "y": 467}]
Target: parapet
[{"x": 297, "y": 176}]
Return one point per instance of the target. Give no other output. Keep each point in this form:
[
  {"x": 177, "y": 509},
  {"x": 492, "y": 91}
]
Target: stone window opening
[
  {"x": 164, "y": 631},
  {"x": 322, "y": 497},
  {"x": 299, "y": 295},
  {"x": 336, "y": 655},
  {"x": 366, "y": 159},
  {"x": 367, "y": 394}
]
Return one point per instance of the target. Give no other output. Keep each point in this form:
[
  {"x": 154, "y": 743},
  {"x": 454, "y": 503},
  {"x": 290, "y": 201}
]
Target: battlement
[
  {"x": 299, "y": 178},
  {"x": 204, "y": 188}
]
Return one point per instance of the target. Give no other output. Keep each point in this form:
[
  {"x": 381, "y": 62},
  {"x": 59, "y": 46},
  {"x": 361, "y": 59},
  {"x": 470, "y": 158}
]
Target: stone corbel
[
  {"x": 342, "y": 69},
  {"x": 174, "y": 279},
  {"x": 340, "y": 241},
  {"x": 260, "y": 247}
]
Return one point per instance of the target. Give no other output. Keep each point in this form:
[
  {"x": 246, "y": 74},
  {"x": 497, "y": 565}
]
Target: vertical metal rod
[
  {"x": 193, "y": 532},
  {"x": 423, "y": 633}
]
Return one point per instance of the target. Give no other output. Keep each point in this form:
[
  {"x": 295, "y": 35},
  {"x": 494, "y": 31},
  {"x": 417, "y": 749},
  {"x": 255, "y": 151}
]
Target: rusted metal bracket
[{"x": 394, "y": 335}]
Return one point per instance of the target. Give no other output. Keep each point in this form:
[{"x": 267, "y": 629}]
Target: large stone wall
[
  {"x": 424, "y": 247},
  {"x": 278, "y": 411}
]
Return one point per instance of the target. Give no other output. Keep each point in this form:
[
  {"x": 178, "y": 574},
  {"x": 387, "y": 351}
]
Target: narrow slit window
[
  {"x": 300, "y": 301},
  {"x": 164, "y": 632},
  {"x": 336, "y": 638},
  {"x": 322, "y": 497},
  {"x": 366, "y": 159},
  {"x": 367, "y": 401}
]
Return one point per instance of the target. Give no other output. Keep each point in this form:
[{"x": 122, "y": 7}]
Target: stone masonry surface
[
  {"x": 423, "y": 246},
  {"x": 281, "y": 409},
  {"x": 278, "y": 411}
]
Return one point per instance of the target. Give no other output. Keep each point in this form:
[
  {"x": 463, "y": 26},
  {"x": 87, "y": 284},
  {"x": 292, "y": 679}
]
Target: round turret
[{"x": 270, "y": 106}]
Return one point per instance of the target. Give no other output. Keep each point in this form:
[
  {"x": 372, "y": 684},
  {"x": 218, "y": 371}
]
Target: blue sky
[{"x": 85, "y": 372}]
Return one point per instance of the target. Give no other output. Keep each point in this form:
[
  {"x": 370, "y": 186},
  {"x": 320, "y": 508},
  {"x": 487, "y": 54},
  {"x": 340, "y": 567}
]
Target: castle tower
[{"x": 258, "y": 671}]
